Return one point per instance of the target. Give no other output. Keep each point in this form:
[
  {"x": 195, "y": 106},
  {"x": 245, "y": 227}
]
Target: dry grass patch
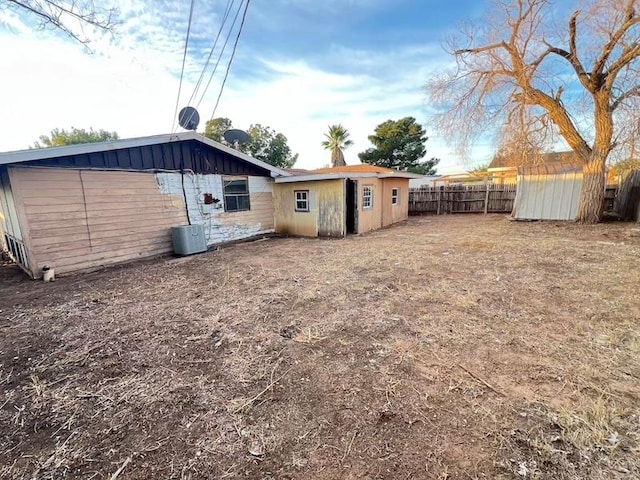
[{"x": 445, "y": 348}]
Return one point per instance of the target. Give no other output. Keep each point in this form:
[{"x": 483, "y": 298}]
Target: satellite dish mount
[{"x": 236, "y": 137}]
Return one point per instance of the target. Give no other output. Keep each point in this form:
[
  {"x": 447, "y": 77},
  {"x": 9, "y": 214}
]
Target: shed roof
[
  {"x": 298, "y": 171},
  {"x": 361, "y": 168},
  {"x": 370, "y": 171},
  {"x": 516, "y": 161},
  {"x": 550, "y": 169},
  {"x": 21, "y": 156}
]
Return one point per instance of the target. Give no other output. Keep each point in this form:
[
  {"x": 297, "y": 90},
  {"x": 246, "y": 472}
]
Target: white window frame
[
  {"x": 395, "y": 196},
  {"x": 301, "y": 196},
  {"x": 367, "y": 197},
  {"x": 236, "y": 195}
]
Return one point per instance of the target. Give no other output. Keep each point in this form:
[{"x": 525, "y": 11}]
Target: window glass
[
  {"x": 236, "y": 195},
  {"x": 302, "y": 200},
  {"x": 367, "y": 196}
]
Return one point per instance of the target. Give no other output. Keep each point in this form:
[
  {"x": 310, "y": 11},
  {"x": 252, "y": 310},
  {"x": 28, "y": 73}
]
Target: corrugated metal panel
[{"x": 548, "y": 197}]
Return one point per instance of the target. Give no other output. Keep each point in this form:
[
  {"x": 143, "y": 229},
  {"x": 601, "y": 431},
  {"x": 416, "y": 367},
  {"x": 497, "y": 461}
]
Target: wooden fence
[
  {"x": 627, "y": 203},
  {"x": 462, "y": 199},
  {"x": 499, "y": 198}
]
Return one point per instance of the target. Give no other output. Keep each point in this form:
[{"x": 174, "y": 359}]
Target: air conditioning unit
[{"x": 188, "y": 239}]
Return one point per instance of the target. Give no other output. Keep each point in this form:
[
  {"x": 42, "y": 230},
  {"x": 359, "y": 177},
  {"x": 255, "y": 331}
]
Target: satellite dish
[
  {"x": 188, "y": 118},
  {"x": 235, "y": 136}
]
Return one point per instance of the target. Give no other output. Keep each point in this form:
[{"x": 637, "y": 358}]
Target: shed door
[{"x": 352, "y": 206}]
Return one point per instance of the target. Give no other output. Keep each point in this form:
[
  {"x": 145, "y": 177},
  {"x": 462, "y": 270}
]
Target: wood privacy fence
[
  {"x": 627, "y": 203},
  {"x": 462, "y": 199}
]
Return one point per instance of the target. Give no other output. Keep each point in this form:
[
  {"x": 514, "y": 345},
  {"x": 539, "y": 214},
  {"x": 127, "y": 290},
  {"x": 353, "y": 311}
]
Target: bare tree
[
  {"x": 73, "y": 17},
  {"x": 579, "y": 81}
]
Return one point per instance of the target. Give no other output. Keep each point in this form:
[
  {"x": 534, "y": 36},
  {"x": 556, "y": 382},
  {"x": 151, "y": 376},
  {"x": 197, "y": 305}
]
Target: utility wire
[
  {"x": 233, "y": 52},
  {"x": 184, "y": 59},
  {"x": 228, "y": 9},
  {"x": 224, "y": 47},
  {"x": 215, "y": 44}
]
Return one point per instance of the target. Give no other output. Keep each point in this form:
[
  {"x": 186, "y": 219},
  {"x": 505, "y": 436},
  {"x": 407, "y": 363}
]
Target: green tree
[
  {"x": 337, "y": 140},
  {"x": 60, "y": 137},
  {"x": 269, "y": 146},
  {"x": 215, "y": 128},
  {"x": 399, "y": 144},
  {"x": 264, "y": 143}
]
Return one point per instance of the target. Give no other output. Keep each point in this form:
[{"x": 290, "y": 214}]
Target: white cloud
[{"x": 131, "y": 86}]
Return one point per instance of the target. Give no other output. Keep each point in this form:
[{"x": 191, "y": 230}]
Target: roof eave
[{"x": 21, "y": 156}]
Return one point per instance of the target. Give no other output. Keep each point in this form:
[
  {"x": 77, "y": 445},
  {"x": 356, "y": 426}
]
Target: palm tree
[{"x": 337, "y": 140}]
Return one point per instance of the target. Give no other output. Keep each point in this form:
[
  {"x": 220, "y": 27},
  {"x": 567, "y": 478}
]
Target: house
[
  {"x": 503, "y": 169},
  {"x": 334, "y": 202},
  {"x": 467, "y": 178},
  {"x": 424, "y": 181},
  {"x": 80, "y": 207}
]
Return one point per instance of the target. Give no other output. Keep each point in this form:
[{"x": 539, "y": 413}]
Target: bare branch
[
  {"x": 629, "y": 54},
  {"x": 58, "y": 14},
  {"x": 634, "y": 92},
  {"x": 631, "y": 19}
]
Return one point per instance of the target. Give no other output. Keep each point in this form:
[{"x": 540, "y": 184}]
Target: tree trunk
[
  {"x": 337, "y": 158},
  {"x": 592, "y": 194}
]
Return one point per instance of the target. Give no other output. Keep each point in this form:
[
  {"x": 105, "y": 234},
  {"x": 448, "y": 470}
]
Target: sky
[{"x": 300, "y": 66}]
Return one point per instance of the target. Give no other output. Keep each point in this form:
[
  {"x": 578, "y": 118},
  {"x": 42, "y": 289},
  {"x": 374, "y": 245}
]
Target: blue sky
[{"x": 300, "y": 66}]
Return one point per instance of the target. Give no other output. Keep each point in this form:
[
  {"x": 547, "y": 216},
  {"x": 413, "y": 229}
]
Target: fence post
[
  {"x": 486, "y": 199},
  {"x": 439, "y": 196}
]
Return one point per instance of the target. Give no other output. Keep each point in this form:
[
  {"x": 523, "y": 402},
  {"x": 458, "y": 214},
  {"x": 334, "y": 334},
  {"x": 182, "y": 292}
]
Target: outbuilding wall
[
  {"x": 326, "y": 215},
  {"x": 370, "y": 218},
  {"x": 394, "y": 213}
]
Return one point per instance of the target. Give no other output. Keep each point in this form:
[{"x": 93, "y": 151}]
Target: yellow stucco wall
[
  {"x": 383, "y": 212},
  {"x": 370, "y": 218},
  {"x": 326, "y": 215},
  {"x": 400, "y": 211}
]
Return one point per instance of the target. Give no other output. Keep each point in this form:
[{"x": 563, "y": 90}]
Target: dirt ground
[{"x": 459, "y": 347}]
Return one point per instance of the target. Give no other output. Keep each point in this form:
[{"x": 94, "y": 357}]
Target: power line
[
  {"x": 233, "y": 52},
  {"x": 227, "y": 10},
  {"x": 224, "y": 47},
  {"x": 184, "y": 59},
  {"x": 229, "y": 7}
]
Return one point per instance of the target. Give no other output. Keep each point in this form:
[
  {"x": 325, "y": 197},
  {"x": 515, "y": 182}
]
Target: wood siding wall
[
  {"x": 326, "y": 215},
  {"x": 79, "y": 219}
]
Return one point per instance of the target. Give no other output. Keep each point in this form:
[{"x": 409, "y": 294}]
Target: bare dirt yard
[{"x": 458, "y": 347}]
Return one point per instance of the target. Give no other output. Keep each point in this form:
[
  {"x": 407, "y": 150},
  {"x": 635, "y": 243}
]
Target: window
[
  {"x": 394, "y": 196},
  {"x": 302, "y": 200},
  {"x": 236, "y": 194},
  {"x": 367, "y": 196}
]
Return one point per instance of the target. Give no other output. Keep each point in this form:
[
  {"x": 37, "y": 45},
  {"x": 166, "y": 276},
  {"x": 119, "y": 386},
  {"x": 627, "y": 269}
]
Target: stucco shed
[{"x": 334, "y": 202}]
